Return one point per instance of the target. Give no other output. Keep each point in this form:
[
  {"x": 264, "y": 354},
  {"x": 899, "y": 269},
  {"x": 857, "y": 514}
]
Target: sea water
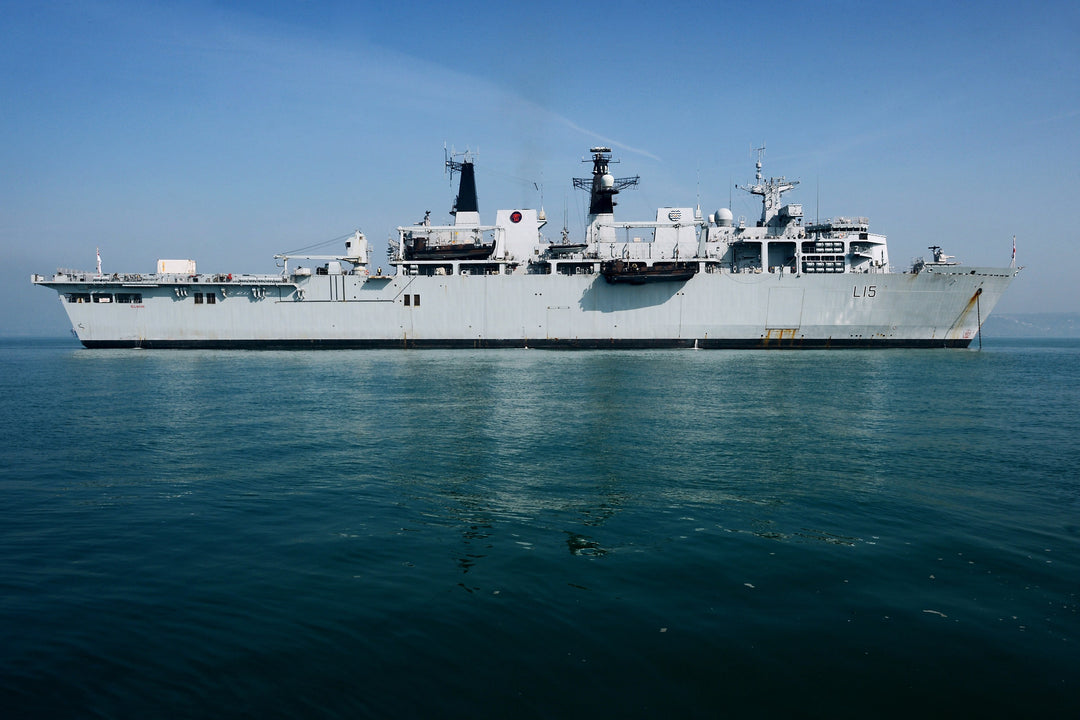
[{"x": 523, "y": 533}]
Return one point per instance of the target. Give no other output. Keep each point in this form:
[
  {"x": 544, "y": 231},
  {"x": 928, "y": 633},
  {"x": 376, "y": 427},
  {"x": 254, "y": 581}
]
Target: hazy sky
[{"x": 228, "y": 131}]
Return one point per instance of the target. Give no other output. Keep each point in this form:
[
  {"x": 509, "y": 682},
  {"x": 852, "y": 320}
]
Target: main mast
[
  {"x": 770, "y": 191},
  {"x": 602, "y": 187}
]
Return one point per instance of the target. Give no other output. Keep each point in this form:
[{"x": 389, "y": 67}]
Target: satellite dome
[
  {"x": 724, "y": 217},
  {"x": 607, "y": 181}
]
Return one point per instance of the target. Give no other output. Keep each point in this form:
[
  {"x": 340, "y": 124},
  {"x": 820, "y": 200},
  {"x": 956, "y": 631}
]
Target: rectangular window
[
  {"x": 78, "y": 297},
  {"x": 198, "y": 298},
  {"x": 407, "y": 300},
  {"x": 416, "y": 300},
  {"x": 210, "y": 298},
  {"x": 103, "y": 297},
  {"x": 129, "y": 298}
]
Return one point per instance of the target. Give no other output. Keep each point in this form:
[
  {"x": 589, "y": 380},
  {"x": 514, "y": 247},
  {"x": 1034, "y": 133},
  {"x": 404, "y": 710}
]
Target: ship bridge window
[
  {"x": 77, "y": 297},
  {"x": 129, "y": 298}
]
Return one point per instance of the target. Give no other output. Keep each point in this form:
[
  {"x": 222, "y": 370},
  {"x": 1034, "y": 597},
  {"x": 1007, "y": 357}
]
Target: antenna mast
[
  {"x": 769, "y": 190},
  {"x": 603, "y": 186}
]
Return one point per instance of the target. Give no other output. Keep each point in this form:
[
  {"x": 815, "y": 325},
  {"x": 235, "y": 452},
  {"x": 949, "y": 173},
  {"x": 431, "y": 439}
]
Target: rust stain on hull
[{"x": 955, "y": 331}]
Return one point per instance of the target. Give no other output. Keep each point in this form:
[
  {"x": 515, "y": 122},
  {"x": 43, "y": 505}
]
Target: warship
[{"x": 680, "y": 280}]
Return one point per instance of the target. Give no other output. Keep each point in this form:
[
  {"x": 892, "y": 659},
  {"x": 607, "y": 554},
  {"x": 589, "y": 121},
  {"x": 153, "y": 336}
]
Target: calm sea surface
[{"x": 523, "y": 533}]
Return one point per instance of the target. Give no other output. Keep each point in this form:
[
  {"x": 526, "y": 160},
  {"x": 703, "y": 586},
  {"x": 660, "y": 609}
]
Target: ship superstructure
[{"x": 679, "y": 280}]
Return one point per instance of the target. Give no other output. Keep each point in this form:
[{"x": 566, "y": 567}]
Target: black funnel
[{"x": 466, "y": 198}]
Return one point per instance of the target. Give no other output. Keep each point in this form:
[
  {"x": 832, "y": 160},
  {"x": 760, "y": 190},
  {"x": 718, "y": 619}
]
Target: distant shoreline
[{"x": 1033, "y": 325}]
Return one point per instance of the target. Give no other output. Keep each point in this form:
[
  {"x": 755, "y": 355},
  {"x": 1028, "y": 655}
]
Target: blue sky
[{"x": 228, "y": 131}]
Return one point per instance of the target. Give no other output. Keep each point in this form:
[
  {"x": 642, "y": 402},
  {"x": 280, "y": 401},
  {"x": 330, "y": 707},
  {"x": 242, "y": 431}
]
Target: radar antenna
[
  {"x": 760, "y": 154},
  {"x": 602, "y": 186},
  {"x": 452, "y": 164}
]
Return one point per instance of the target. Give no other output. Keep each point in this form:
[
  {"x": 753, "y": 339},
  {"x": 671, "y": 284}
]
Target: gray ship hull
[{"x": 937, "y": 307}]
